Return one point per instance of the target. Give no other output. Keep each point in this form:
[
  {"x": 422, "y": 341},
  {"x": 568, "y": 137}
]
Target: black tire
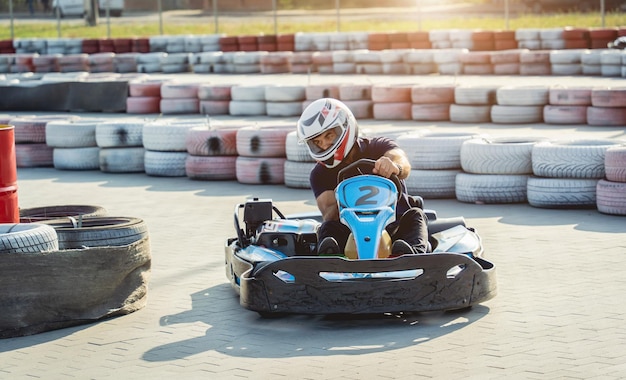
[
  {"x": 35, "y": 214},
  {"x": 27, "y": 238},
  {"x": 74, "y": 233}
]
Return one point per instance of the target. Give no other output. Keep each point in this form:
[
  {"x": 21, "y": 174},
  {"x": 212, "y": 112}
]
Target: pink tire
[
  {"x": 606, "y": 116},
  {"x": 570, "y": 96},
  {"x": 265, "y": 141},
  {"x": 608, "y": 97},
  {"x": 214, "y": 92},
  {"x": 355, "y": 92},
  {"x": 260, "y": 170},
  {"x": 432, "y": 94},
  {"x": 173, "y": 90},
  {"x": 565, "y": 114},
  {"x": 211, "y": 168},
  {"x": 314, "y": 92},
  {"x": 143, "y": 104},
  {"x": 611, "y": 197},
  {"x": 391, "y": 94},
  {"x": 147, "y": 88},
  {"x": 214, "y": 107},
  {"x": 615, "y": 164},
  {"x": 392, "y": 111},
  {"x": 430, "y": 112},
  {"x": 362, "y": 109},
  {"x": 202, "y": 141},
  {"x": 33, "y": 155}
]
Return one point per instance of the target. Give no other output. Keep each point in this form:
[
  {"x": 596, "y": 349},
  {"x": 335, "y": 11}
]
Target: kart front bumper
[{"x": 441, "y": 281}]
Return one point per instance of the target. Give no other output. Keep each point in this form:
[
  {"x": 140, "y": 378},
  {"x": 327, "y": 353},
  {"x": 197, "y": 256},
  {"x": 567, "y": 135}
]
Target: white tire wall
[
  {"x": 247, "y": 108},
  {"x": 470, "y": 113},
  {"x": 76, "y": 158},
  {"x": 295, "y": 151},
  {"x": 120, "y": 133},
  {"x": 27, "y": 238},
  {"x": 562, "y": 192},
  {"x": 202, "y": 141},
  {"x": 611, "y": 197},
  {"x": 491, "y": 188},
  {"x": 505, "y": 155},
  {"x": 432, "y": 184},
  {"x": 211, "y": 168},
  {"x": 168, "y": 136},
  {"x": 615, "y": 163},
  {"x": 434, "y": 150},
  {"x": 297, "y": 174},
  {"x": 570, "y": 159},
  {"x": 122, "y": 160},
  {"x": 71, "y": 133},
  {"x": 165, "y": 164},
  {"x": 522, "y": 95},
  {"x": 260, "y": 170}
]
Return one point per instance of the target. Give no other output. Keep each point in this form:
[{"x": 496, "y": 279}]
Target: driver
[{"x": 330, "y": 132}]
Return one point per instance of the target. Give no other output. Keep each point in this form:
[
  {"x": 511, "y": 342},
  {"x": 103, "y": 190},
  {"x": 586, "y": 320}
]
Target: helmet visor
[{"x": 325, "y": 141}]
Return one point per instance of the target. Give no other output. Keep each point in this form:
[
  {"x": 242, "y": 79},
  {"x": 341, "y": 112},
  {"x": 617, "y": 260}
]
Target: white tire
[
  {"x": 571, "y": 159},
  {"x": 516, "y": 114},
  {"x": 284, "y": 109},
  {"x": 503, "y": 155},
  {"x": 470, "y": 113},
  {"x": 392, "y": 111},
  {"x": 314, "y": 92},
  {"x": 570, "y": 96},
  {"x": 295, "y": 151},
  {"x": 214, "y": 92},
  {"x": 432, "y": 184},
  {"x": 297, "y": 174},
  {"x": 522, "y": 96},
  {"x": 27, "y": 238},
  {"x": 122, "y": 160},
  {"x": 491, "y": 188},
  {"x": 76, "y": 158},
  {"x": 247, "y": 108},
  {"x": 606, "y": 116},
  {"x": 165, "y": 164},
  {"x": 119, "y": 133},
  {"x": 562, "y": 192},
  {"x": 391, "y": 93},
  {"x": 251, "y": 93},
  {"x": 71, "y": 133},
  {"x": 430, "y": 112},
  {"x": 168, "y": 135},
  {"x": 434, "y": 150},
  {"x": 171, "y": 106},
  {"x": 361, "y": 109},
  {"x": 475, "y": 95}
]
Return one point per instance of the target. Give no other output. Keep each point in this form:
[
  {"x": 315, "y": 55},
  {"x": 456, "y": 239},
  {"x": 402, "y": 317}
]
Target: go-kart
[{"x": 273, "y": 263}]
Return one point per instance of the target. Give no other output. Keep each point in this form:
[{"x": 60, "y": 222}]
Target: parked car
[{"x": 63, "y": 8}]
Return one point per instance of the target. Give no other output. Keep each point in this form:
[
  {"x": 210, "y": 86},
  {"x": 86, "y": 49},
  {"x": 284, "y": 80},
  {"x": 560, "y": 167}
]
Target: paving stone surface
[{"x": 559, "y": 312}]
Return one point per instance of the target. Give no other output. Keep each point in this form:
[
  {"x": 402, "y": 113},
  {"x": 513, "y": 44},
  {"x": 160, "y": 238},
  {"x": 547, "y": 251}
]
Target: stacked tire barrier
[
  {"x": 212, "y": 153},
  {"x": 121, "y": 146},
  {"x": 74, "y": 144},
  {"x": 262, "y": 154},
  {"x": 87, "y": 266},
  {"x": 165, "y": 142},
  {"x": 299, "y": 163}
]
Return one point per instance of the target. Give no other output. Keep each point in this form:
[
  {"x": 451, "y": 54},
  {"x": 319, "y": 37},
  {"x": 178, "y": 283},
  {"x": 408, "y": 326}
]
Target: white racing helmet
[{"x": 324, "y": 115}]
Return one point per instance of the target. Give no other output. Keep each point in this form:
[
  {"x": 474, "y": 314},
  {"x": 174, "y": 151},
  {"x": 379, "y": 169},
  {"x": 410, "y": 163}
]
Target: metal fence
[{"x": 416, "y": 12}]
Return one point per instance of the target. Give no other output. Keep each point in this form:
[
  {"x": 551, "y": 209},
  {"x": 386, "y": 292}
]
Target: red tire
[
  {"x": 33, "y": 155},
  {"x": 355, "y": 92},
  {"x": 260, "y": 170},
  {"x": 433, "y": 94},
  {"x": 392, "y": 111},
  {"x": 430, "y": 112},
  {"x": 570, "y": 96},
  {"x": 211, "y": 168},
  {"x": 606, "y": 116},
  {"x": 214, "y": 107},
  {"x": 201, "y": 141},
  {"x": 565, "y": 114},
  {"x": 143, "y": 104},
  {"x": 391, "y": 93}
]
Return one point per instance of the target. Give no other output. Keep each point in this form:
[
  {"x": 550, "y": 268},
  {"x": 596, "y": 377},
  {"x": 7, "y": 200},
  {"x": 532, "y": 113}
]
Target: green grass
[{"x": 77, "y": 28}]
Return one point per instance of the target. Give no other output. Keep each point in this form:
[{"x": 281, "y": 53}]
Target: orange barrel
[{"x": 9, "y": 210}]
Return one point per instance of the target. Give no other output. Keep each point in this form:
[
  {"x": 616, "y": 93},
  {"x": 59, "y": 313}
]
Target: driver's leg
[
  {"x": 336, "y": 230},
  {"x": 413, "y": 229}
]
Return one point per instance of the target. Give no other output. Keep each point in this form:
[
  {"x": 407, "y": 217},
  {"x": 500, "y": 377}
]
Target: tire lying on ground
[
  {"x": 27, "y": 238},
  {"x": 71, "y": 287},
  {"x": 34, "y": 214},
  {"x": 76, "y": 233}
]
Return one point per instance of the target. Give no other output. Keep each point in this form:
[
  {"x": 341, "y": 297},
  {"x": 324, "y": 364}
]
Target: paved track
[{"x": 558, "y": 313}]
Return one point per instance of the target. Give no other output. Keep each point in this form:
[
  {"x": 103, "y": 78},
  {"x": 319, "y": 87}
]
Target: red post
[{"x": 9, "y": 210}]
